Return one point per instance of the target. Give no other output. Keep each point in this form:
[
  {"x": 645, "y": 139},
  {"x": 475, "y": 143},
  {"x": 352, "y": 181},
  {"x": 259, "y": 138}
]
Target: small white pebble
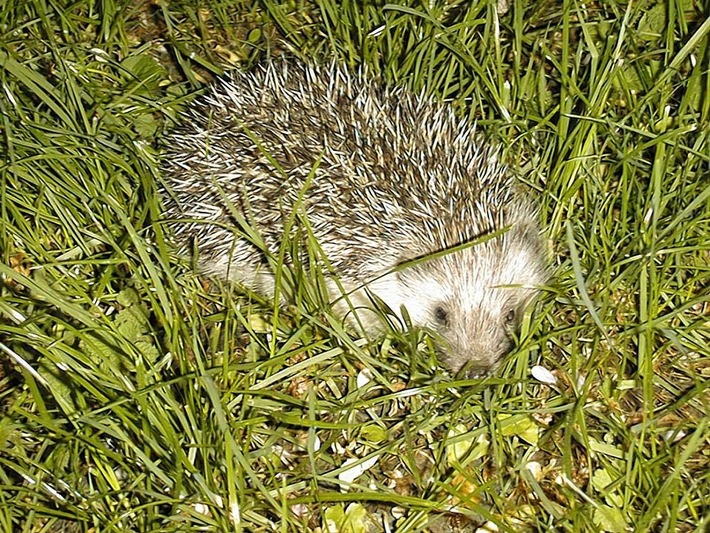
[
  {"x": 543, "y": 375},
  {"x": 535, "y": 469},
  {"x": 300, "y": 510},
  {"x": 398, "y": 512},
  {"x": 488, "y": 527},
  {"x": 201, "y": 508},
  {"x": 363, "y": 377},
  {"x": 581, "y": 380},
  {"x": 356, "y": 470},
  {"x": 671, "y": 435},
  {"x": 338, "y": 448}
]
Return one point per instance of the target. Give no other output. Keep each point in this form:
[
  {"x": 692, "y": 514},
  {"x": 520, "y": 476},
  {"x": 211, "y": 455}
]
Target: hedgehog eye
[
  {"x": 441, "y": 315},
  {"x": 510, "y": 317}
]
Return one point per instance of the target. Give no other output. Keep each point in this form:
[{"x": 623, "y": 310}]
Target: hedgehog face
[
  {"x": 458, "y": 350},
  {"x": 476, "y": 338},
  {"x": 473, "y": 301}
]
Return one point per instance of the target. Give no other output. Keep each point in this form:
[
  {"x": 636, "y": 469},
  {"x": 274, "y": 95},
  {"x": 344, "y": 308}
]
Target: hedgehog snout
[
  {"x": 474, "y": 352},
  {"x": 477, "y": 372}
]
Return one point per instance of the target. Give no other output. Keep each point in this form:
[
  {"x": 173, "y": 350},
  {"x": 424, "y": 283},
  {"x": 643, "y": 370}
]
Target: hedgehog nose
[{"x": 475, "y": 371}]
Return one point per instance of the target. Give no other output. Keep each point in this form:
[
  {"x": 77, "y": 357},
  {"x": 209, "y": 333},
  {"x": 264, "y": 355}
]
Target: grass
[{"x": 136, "y": 396}]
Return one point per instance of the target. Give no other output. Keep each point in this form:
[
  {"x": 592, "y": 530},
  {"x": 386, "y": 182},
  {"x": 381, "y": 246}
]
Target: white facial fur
[{"x": 472, "y": 300}]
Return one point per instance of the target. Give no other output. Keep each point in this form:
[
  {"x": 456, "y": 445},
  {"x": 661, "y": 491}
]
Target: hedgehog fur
[{"x": 389, "y": 175}]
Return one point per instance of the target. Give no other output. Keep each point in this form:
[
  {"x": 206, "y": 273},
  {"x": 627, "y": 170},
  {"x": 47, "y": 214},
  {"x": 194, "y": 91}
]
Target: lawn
[{"x": 137, "y": 395}]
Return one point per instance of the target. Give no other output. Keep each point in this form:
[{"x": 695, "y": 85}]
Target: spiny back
[{"x": 392, "y": 166}]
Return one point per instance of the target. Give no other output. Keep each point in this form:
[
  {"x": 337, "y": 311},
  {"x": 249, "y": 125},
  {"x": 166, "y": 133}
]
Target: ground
[{"x": 137, "y": 395}]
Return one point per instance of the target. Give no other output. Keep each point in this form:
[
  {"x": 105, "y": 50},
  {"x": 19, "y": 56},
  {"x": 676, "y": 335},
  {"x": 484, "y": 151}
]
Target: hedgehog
[{"x": 411, "y": 207}]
